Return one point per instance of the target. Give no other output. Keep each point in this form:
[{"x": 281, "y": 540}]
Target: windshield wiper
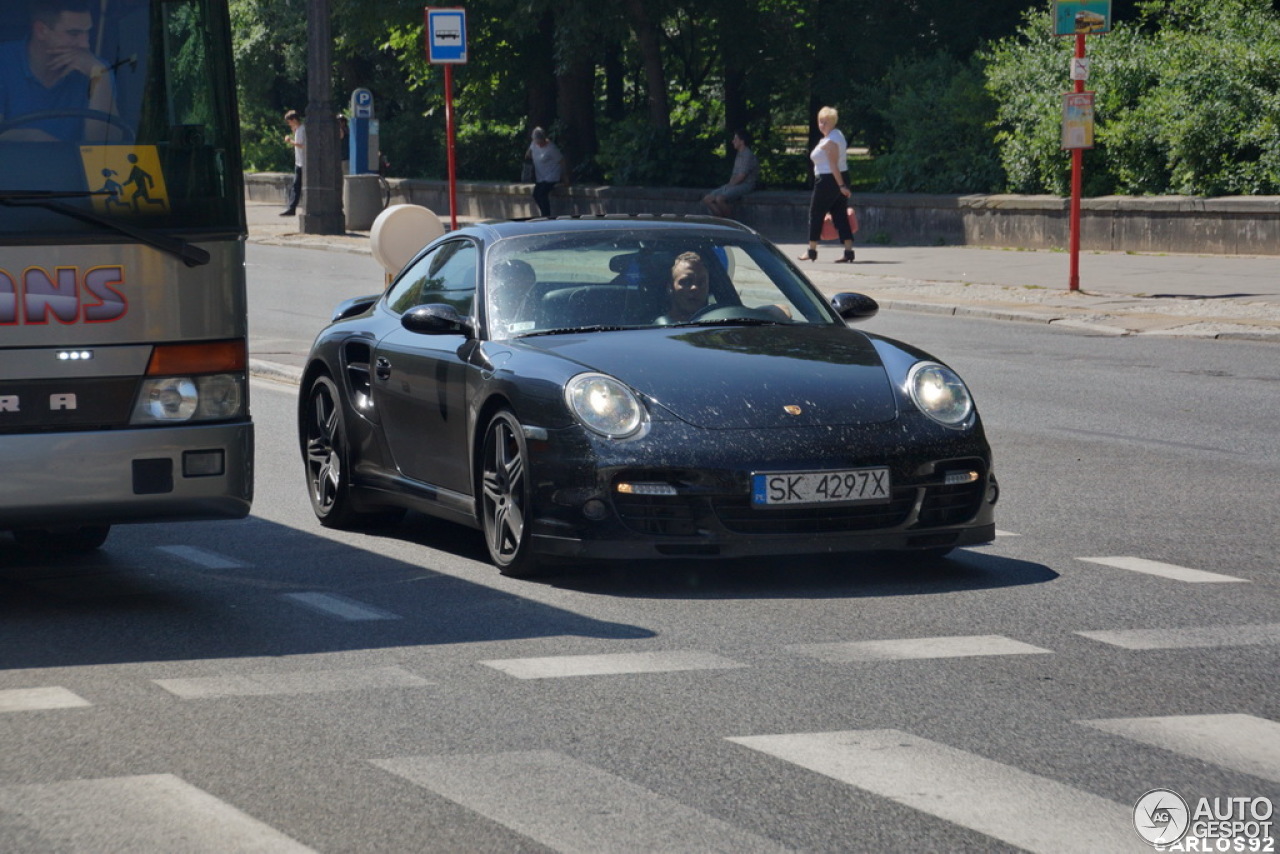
[
  {"x": 569, "y": 330},
  {"x": 734, "y": 321},
  {"x": 192, "y": 256}
]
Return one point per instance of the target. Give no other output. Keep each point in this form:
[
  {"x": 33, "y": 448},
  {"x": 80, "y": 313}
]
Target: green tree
[{"x": 1188, "y": 101}]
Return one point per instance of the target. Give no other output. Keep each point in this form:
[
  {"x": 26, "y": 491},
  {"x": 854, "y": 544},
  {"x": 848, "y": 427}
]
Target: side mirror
[
  {"x": 437, "y": 319},
  {"x": 854, "y": 307}
]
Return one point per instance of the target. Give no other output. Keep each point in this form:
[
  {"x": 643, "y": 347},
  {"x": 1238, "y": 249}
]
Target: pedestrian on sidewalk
[
  {"x": 746, "y": 168},
  {"x": 548, "y": 169},
  {"x": 297, "y": 138},
  {"x": 830, "y": 189}
]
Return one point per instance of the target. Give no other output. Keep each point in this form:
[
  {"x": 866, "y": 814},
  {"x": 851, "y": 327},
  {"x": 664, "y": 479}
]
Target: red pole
[
  {"x": 448, "y": 121},
  {"x": 1077, "y": 184}
]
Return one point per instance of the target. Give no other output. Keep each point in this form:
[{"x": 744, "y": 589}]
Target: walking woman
[{"x": 830, "y": 191}]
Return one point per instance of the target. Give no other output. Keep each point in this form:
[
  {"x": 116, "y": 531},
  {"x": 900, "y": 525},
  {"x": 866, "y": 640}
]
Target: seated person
[
  {"x": 689, "y": 289},
  {"x": 746, "y": 168},
  {"x": 53, "y": 69},
  {"x": 510, "y": 286}
]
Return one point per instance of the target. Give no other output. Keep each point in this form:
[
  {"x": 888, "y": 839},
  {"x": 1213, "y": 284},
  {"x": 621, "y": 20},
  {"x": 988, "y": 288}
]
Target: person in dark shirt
[{"x": 55, "y": 70}]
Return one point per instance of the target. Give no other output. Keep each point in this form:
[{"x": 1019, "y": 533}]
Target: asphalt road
[{"x": 270, "y": 685}]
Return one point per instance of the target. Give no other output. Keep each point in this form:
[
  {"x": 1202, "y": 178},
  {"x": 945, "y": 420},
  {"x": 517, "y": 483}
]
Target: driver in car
[
  {"x": 690, "y": 287},
  {"x": 54, "y": 70}
]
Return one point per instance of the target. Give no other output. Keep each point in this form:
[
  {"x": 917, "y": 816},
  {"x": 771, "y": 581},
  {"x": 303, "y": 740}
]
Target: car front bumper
[{"x": 704, "y": 508}]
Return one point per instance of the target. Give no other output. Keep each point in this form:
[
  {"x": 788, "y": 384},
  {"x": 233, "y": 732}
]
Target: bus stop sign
[{"x": 446, "y": 36}]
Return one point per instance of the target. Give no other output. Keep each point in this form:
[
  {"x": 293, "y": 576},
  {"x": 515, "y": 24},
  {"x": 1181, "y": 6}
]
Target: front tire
[
  {"x": 505, "y": 497},
  {"x": 327, "y": 452}
]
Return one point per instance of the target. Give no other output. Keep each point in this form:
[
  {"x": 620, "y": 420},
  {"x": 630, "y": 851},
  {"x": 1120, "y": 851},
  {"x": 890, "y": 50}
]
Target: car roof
[{"x": 498, "y": 229}]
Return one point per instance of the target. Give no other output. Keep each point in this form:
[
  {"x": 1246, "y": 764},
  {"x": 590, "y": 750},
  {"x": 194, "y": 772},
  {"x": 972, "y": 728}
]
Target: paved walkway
[{"x": 1224, "y": 297}]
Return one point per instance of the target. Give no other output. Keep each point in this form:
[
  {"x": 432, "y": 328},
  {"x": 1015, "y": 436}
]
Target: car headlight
[
  {"x": 604, "y": 405},
  {"x": 168, "y": 400},
  {"x": 938, "y": 392}
]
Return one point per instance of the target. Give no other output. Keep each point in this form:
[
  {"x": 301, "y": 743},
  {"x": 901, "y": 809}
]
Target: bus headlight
[{"x": 167, "y": 400}]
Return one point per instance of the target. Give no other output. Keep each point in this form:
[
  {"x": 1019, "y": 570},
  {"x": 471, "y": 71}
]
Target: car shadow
[
  {"x": 816, "y": 576},
  {"x": 806, "y": 576},
  {"x": 222, "y": 590}
]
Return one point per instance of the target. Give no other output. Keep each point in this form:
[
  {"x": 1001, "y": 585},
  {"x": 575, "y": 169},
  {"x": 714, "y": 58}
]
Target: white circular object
[{"x": 399, "y": 232}]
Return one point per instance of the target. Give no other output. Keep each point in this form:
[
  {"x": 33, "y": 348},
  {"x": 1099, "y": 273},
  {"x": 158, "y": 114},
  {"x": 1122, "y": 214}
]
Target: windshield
[
  {"x": 572, "y": 281},
  {"x": 142, "y": 129}
]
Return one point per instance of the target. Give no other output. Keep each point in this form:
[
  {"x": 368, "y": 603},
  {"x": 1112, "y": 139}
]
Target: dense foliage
[
  {"x": 1188, "y": 102},
  {"x": 649, "y": 91}
]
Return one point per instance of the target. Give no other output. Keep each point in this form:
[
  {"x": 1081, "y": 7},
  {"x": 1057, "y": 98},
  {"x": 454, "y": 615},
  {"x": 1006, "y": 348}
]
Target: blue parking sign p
[{"x": 446, "y": 35}]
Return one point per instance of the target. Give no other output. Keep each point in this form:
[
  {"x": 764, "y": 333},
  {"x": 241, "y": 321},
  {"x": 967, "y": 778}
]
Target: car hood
[{"x": 742, "y": 377}]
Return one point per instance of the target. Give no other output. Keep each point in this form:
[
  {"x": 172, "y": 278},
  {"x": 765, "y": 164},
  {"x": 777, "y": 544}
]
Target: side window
[{"x": 445, "y": 275}]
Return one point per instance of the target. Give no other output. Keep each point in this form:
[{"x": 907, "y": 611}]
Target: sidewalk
[{"x": 1222, "y": 297}]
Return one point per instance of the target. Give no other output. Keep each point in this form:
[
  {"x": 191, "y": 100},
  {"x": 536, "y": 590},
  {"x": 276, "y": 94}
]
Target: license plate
[{"x": 849, "y": 486}]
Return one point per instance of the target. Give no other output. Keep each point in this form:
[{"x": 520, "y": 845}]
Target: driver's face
[
  {"x": 70, "y": 32},
  {"x": 688, "y": 289}
]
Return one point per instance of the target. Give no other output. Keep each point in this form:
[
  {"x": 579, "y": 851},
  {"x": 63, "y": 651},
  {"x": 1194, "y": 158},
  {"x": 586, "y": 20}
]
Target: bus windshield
[{"x": 139, "y": 133}]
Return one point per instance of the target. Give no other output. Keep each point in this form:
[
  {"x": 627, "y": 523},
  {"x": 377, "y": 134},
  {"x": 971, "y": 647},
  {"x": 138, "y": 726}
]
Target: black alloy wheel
[
  {"x": 505, "y": 503},
  {"x": 328, "y": 458}
]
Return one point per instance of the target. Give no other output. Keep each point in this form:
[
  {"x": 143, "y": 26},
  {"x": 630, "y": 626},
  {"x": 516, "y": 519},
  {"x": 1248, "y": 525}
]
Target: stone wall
[{"x": 1238, "y": 225}]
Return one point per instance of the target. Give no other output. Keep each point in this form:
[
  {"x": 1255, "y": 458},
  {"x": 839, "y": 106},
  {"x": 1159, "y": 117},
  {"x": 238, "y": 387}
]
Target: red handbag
[{"x": 829, "y": 228}]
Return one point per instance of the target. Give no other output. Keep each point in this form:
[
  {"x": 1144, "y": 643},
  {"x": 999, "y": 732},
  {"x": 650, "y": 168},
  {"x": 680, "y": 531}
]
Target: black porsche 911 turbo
[{"x": 636, "y": 387}]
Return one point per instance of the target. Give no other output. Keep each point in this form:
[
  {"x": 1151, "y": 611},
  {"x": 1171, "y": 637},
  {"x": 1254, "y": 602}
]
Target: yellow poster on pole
[{"x": 1077, "y": 120}]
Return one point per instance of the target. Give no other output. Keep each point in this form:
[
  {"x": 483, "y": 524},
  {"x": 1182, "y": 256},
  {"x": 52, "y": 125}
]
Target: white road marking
[
  {"x": 1000, "y": 533},
  {"x": 1165, "y": 570},
  {"x": 1242, "y": 743},
  {"x": 295, "y": 682},
  {"x": 157, "y": 812},
  {"x": 201, "y": 557},
  {"x": 570, "y": 806},
  {"x": 1022, "y": 809},
  {"x": 558, "y": 666},
  {"x": 342, "y": 607},
  {"x": 905, "y": 648},
  {"x": 40, "y": 699},
  {"x": 1189, "y": 638}
]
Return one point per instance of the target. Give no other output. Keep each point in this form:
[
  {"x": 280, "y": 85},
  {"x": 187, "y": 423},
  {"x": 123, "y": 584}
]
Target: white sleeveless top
[{"x": 822, "y": 165}]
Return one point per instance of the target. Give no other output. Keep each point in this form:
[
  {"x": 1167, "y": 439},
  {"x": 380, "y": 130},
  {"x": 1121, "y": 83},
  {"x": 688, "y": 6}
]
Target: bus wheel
[{"x": 80, "y": 538}]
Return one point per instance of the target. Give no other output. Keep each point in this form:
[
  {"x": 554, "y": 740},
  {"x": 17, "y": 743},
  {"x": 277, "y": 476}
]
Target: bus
[{"x": 124, "y": 393}]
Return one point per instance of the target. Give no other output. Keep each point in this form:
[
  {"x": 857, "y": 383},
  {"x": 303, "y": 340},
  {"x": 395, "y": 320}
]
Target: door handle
[{"x": 382, "y": 368}]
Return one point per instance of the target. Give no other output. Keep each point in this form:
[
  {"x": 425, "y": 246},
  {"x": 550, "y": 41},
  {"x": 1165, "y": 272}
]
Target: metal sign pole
[
  {"x": 1077, "y": 188},
  {"x": 448, "y": 120}
]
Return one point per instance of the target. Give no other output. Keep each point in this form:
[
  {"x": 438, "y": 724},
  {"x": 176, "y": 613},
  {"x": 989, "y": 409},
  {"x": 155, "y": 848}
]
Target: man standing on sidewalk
[{"x": 297, "y": 137}]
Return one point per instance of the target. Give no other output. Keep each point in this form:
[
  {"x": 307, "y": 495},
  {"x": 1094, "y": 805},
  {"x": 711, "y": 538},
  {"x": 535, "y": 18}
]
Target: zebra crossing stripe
[
  {"x": 157, "y": 812},
  {"x": 342, "y": 607},
  {"x": 1005, "y": 803},
  {"x": 297, "y": 682},
  {"x": 1242, "y": 743},
  {"x": 570, "y": 806},
  {"x": 1189, "y": 638},
  {"x": 1165, "y": 570},
  {"x": 40, "y": 699},
  {"x": 559, "y": 666},
  {"x": 201, "y": 557},
  {"x": 892, "y": 650}
]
